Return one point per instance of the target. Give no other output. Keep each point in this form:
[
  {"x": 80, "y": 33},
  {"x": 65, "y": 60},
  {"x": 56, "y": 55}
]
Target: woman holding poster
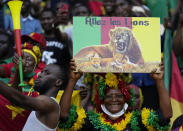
[{"x": 113, "y": 97}]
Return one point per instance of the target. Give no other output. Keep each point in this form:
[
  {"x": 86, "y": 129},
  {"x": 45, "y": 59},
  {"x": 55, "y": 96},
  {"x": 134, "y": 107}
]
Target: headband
[{"x": 30, "y": 52}]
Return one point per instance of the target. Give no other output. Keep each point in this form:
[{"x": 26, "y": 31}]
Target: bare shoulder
[
  {"x": 46, "y": 99},
  {"x": 47, "y": 104}
]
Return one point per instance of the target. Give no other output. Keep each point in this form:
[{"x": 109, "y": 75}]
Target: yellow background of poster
[
  {"x": 148, "y": 40},
  {"x": 123, "y": 44}
]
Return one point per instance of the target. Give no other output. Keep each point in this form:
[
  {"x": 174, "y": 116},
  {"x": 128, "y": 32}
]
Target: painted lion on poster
[{"x": 122, "y": 49}]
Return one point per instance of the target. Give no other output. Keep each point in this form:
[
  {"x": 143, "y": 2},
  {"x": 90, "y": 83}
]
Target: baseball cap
[{"x": 35, "y": 37}]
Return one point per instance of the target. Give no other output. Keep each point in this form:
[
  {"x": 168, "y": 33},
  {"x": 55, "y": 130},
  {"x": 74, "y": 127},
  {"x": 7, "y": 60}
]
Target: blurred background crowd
[{"x": 48, "y": 24}]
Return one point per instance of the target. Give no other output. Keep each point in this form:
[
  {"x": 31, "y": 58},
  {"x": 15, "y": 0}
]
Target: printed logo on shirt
[
  {"x": 55, "y": 43},
  {"x": 47, "y": 58}
]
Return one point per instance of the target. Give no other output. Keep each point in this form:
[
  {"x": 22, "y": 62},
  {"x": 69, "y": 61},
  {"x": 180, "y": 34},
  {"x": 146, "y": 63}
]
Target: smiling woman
[
  {"x": 114, "y": 100},
  {"x": 113, "y": 96}
]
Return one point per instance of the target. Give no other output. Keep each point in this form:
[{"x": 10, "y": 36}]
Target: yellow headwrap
[{"x": 30, "y": 52}]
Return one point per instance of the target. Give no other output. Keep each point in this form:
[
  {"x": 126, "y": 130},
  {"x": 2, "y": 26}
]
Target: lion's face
[{"x": 121, "y": 40}]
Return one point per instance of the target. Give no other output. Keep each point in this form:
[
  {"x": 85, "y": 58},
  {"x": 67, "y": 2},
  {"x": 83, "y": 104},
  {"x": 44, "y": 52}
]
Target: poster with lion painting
[{"x": 117, "y": 44}]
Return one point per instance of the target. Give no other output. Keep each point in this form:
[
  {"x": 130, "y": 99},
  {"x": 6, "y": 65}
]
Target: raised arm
[
  {"x": 177, "y": 43},
  {"x": 67, "y": 95},
  {"x": 37, "y": 104},
  {"x": 164, "y": 99}
]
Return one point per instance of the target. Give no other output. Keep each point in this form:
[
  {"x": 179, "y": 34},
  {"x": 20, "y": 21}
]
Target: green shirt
[
  {"x": 159, "y": 8},
  {"x": 6, "y": 61},
  {"x": 180, "y": 59}
]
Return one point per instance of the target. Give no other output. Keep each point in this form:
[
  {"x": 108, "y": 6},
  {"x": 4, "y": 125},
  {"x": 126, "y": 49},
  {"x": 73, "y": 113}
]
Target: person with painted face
[
  {"x": 62, "y": 20},
  {"x": 62, "y": 13},
  {"x": 28, "y": 23},
  {"x": 113, "y": 97}
]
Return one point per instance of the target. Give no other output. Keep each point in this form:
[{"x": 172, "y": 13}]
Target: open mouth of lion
[{"x": 121, "y": 46}]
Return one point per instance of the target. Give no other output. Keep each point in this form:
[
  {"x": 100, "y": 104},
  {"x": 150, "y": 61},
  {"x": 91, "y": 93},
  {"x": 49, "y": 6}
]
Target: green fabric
[
  {"x": 5, "y": 80},
  {"x": 180, "y": 59},
  {"x": 29, "y": 75},
  {"x": 26, "y": 88},
  {"x": 180, "y": 63},
  {"x": 159, "y": 8},
  {"x": 6, "y": 61},
  {"x": 172, "y": 5},
  {"x": 167, "y": 51}
]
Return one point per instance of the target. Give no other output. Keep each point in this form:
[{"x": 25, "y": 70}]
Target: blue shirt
[
  {"x": 28, "y": 25},
  {"x": 142, "y": 79}
]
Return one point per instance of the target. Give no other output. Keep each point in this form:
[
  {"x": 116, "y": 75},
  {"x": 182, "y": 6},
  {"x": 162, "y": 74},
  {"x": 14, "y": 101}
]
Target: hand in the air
[
  {"x": 74, "y": 75},
  {"x": 158, "y": 76}
]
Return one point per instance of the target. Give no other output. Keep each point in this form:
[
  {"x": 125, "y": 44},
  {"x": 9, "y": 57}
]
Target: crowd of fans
[{"x": 47, "y": 39}]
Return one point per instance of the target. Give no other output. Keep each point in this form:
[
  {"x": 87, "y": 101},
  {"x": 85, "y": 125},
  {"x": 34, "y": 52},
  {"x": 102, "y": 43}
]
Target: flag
[
  {"x": 172, "y": 77},
  {"x": 167, "y": 58},
  {"x": 176, "y": 90},
  {"x": 158, "y": 8},
  {"x": 12, "y": 118}
]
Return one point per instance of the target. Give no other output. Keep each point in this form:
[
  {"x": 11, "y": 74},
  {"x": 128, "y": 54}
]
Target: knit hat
[{"x": 35, "y": 37}]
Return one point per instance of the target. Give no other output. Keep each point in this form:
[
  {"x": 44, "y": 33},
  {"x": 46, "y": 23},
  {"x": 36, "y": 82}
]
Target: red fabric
[
  {"x": 9, "y": 66},
  {"x": 27, "y": 46},
  {"x": 96, "y": 7},
  {"x": 36, "y": 37},
  {"x": 33, "y": 94},
  {"x": 176, "y": 90},
  {"x": 39, "y": 68},
  {"x": 6, "y": 121},
  {"x": 7, "y": 69}
]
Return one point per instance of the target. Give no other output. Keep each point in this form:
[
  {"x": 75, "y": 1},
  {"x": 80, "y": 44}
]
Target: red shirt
[
  {"x": 13, "y": 118},
  {"x": 9, "y": 73},
  {"x": 96, "y": 7}
]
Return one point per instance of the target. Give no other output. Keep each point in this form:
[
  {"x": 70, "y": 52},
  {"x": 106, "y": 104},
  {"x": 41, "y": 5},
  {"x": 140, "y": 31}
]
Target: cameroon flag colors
[{"x": 96, "y": 31}]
